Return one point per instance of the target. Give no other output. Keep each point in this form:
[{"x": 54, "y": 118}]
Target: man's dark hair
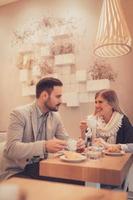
[{"x": 47, "y": 84}]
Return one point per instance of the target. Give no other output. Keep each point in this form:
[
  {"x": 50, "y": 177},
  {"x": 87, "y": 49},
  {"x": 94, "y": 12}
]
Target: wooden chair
[{"x": 128, "y": 185}]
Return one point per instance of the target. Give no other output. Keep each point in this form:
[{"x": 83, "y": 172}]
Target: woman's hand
[
  {"x": 80, "y": 145},
  {"x": 83, "y": 128},
  {"x": 101, "y": 142}
]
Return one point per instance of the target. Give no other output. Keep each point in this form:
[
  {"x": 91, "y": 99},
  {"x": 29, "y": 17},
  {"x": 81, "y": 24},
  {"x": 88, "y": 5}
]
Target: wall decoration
[
  {"x": 23, "y": 75},
  {"x": 24, "y": 59},
  {"x": 62, "y": 44},
  {"x": 51, "y": 44},
  {"x": 49, "y": 25},
  {"x": 72, "y": 100},
  {"x": 101, "y": 70},
  {"x": 99, "y": 84},
  {"x": 81, "y": 75},
  {"x": 46, "y": 65},
  {"x": 99, "y": 76},
  {"x": 65, "y": 59}
]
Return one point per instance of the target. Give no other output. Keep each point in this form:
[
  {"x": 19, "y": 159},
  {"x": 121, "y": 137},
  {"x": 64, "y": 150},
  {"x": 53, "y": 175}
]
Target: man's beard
[{"x": 50, "y": 108}]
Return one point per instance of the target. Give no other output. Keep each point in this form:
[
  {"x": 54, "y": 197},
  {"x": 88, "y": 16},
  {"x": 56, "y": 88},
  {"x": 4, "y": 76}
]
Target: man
[{"x": 34, "y": 130}]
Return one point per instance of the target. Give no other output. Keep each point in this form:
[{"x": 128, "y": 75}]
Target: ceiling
[{"x": 4, "y": 2}]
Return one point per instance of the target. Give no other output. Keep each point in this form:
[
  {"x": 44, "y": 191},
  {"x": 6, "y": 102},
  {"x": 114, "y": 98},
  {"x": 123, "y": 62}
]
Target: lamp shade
[{"x": 113, "y": 37}]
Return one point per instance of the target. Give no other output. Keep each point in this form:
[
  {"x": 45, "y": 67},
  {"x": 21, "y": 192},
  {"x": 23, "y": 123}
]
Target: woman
[{"x": 111, "y": 124}]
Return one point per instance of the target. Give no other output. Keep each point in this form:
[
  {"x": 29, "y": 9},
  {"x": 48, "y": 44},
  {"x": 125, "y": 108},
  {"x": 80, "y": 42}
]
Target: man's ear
[{"x": 44, "y": 95}]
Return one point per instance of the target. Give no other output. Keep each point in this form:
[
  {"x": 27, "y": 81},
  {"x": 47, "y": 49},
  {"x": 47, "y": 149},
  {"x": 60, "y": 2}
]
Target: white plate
[
  {"x": 80, "y": 159},
  {"x": 114, "y": 154}
]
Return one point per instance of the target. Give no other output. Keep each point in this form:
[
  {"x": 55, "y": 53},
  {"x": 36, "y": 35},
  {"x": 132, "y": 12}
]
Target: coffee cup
[{"x": 71, "y": 144}]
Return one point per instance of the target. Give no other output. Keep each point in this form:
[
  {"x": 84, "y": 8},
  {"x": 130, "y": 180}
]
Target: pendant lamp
[{"x": 113, "y": 37}]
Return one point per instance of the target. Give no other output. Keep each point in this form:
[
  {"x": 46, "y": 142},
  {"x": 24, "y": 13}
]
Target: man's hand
[{"x": 55, "y": 145}]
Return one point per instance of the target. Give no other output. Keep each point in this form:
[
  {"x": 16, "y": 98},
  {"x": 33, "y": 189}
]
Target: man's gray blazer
[{"x": 21, "y": 144}]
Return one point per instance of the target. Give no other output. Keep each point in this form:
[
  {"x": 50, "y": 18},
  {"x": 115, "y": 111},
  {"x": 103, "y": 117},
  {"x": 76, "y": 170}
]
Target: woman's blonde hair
[{"x": 111, "y": 97}]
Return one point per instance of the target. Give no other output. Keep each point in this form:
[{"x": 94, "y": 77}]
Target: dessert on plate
[
  {"x": 113, "y": 149},
  {"x": 71, "y": 155}
]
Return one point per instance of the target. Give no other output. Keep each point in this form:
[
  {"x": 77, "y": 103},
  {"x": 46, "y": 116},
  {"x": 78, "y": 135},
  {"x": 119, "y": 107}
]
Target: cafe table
[
  {"x": 109, "y": 170},
  {"x": 36, "y": 189}
]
